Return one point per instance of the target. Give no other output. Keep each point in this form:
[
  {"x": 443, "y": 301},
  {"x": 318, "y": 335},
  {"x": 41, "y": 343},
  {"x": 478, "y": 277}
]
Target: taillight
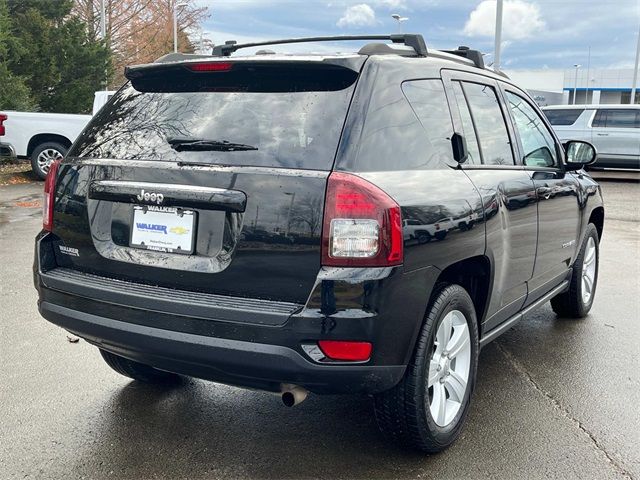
[
  {"x": 362, "y": 225},
  {"x": 210, "y": 67},
  {"x": 3, "y": 117},
  {"x": 345, "y": 350},
  {"x": 49, "y": 195}
]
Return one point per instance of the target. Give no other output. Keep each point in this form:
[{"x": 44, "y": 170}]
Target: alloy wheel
[
  {"x": 449, "y": 368},
  {"x": 589, "y": 270},
  {"x": 47, "y": 157}
]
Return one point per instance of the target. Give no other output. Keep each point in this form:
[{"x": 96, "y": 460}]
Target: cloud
[
  {"x": 361, "y": 15},
  {"x": 392, "y": 4},
  {"x": 520, "y": 20},
  {"x": 219, "y": 37}
]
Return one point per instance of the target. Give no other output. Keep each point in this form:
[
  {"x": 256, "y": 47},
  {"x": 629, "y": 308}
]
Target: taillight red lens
[
  {"x": 210, "y": 67},
  {"x": 362, "y": 225},
  {"x": 347, "y": 351},
  {"x": 3, "y": 117},
  {"x": 49, "y": 195}
]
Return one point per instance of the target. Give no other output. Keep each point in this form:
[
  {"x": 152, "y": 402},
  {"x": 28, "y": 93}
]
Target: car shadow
[{"x": 200, "y": 430}]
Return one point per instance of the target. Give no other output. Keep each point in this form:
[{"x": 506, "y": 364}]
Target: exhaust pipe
[{"x": 293, "y": 395}]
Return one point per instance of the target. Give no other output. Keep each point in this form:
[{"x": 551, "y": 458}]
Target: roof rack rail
[
  {"x": 474, "y": 55},
  {"x": 416, "y": 41}
]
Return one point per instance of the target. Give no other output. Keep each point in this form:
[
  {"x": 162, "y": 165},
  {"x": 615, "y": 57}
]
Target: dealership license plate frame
[{"x": 170, "y": 218}]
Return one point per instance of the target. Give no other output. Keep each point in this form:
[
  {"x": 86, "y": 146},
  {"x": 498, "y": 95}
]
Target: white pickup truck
[{"x": 43, "y": 137}]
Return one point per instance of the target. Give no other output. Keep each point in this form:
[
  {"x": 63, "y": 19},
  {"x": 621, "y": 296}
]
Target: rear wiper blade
[{"x": 202, "y": 145}]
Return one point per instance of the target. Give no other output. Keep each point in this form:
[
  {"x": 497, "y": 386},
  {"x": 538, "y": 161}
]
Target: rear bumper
[
  {"x": 234, "y": 362},
  {"x": 7, "y": 151},
  {"x": 245, "y": 342}
]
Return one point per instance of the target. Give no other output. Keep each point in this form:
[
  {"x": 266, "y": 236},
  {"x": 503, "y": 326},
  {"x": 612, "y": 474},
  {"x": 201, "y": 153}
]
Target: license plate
[{"x": 163, "y": 229}]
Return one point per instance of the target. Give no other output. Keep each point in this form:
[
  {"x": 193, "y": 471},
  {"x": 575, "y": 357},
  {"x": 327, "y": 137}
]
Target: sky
[{"x": 536, "y": 33}]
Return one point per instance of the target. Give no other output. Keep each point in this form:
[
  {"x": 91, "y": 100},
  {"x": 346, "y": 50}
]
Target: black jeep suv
[{"x": 349, "y": 223}]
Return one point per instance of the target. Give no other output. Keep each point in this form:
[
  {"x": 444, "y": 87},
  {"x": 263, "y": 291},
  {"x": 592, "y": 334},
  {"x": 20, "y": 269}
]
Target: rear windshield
[
  {"x": 563, "y": 117},
  {"x": 289, "y": 118}
]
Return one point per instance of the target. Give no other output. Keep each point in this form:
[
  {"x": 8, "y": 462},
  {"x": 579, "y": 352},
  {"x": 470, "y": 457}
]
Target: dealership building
[{"x": 554, "y": 87}]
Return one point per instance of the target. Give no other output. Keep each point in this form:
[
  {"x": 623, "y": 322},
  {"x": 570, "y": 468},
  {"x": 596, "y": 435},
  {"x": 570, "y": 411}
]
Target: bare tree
[
  {"x": 139, "y": 31},
  {"x": 308, "y": 212}
]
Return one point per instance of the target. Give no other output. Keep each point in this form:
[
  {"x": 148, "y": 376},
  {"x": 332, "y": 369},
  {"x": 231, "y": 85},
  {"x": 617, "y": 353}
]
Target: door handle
[{"x": 544, "y": 192}]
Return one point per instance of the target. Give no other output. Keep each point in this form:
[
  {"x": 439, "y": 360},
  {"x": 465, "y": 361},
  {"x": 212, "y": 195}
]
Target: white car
[
  {"x": 43, "y": 137},
  {"x": 415, "y": 230},
  {"x": 613, "y": 129}
]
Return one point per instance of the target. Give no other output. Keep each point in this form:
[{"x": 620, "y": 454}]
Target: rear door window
[
  {"x": 289, "y": 117},
  {"x": 563, "y": 117},
  {"x": 489, "y": 124},
  {"x": 617, "y": 118}
]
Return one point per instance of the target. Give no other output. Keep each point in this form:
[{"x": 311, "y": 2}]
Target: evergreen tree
[
  {"x": 54, "y": 56},
  {"x": 14, "y": 93}
]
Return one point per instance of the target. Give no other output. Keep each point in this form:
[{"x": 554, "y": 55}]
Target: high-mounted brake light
[
  {"x": 362, "y": 225},
  {"x": 345, "y": 350},
  {"x": 210, "y": 67},
  {"x": 3, "y": 117},
  {"x": 49, "y": 195}
]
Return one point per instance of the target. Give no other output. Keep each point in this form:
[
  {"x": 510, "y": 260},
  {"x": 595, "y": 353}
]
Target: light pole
[
  {"x": 293, "y": 198},
  {"x": 586, "y": 93},
  {"x": 399, "y": 19},
  {"x": 103, "y": 32},
  {"x": 103, "y": 20},
  {"x": 498, "y": 37},
  {"x": 175, "y": 25},
  {"x": 635, "y": 73},
  {"x": 575, "y": 85}
]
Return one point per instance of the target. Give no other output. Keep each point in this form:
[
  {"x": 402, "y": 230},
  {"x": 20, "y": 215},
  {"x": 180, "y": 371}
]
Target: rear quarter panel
[
  {"x": 580, "y": 130},
  {"x": 383, "y": 130}
]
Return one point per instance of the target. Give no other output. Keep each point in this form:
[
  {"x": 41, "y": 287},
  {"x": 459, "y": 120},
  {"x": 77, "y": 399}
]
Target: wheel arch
[
  {"x": 474, "y": 275},
  {"x": 41, "y": 138},
  {"x": 597, "y": 218}
]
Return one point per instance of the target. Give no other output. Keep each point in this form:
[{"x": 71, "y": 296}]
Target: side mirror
[
  {"x": 459, "y": 146},
  {"x": 579, "y": 154}
]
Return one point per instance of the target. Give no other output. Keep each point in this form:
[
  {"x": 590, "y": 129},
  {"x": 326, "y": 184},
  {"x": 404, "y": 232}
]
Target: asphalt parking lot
[{"x": 555, "y": 398}]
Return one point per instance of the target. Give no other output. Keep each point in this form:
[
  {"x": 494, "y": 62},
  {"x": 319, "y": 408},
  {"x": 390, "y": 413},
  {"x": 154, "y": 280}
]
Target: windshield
[{"x": 297, "y": 125}]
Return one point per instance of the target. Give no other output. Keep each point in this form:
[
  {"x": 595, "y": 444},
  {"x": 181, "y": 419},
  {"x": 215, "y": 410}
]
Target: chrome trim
[
  {"x": 154, "y": 164},
  {"x": 507, "y": 324}
]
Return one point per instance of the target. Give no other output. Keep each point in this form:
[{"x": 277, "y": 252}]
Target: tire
[
  {"x": 404, "y": 413},
  {"x": 139, "y": 371},
  {"x": 43, "y": 155},
  {"x": 423, "y": 237},
  {"x": 578, "y": 299}
]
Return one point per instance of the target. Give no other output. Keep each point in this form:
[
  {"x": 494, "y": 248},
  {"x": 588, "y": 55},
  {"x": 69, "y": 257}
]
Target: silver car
[{"x": 613, "y": 129}]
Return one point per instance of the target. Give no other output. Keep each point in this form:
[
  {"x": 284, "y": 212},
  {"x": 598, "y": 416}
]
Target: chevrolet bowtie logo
[{"x": 179, "y": 230}]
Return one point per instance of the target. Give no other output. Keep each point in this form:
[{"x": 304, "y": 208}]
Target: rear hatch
[{"x": 207, "y": 177}]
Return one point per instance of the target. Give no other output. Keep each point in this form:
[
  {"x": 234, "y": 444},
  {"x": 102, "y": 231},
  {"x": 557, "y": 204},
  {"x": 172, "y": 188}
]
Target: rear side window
[
  {"x": 289, "y": 117},
  {"x": 563, "y": 117},
  {"x": 617, "y": 118},
  {"x": 489, "y": 123},
  {"x": 406, "y": 126},
  {"x": 429, "y": 102}
]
